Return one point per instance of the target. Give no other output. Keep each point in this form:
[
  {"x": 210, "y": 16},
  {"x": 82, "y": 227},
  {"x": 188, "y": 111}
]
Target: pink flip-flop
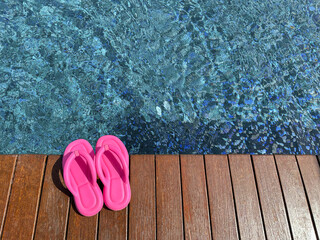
[
  {"x": 112, "y": 165},
  {"x": 80, "y": 177}
]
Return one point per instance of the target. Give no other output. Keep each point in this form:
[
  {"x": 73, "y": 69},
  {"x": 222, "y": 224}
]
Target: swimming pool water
[{"x": 210, "y": 76}]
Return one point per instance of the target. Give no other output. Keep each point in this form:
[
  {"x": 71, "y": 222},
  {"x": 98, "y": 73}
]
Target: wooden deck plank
[
  {"x": 223, "y": 217},
  {"x": 195, "y": 199},
  {"x": 310, "y": 172},
  {"x": 246, "y": 197},
  {"x": 272, "y": 203},
  {"x": 169, "y": 199},
  {"x": 7, "y": 165},
  {"x": 113, "y": 224},
  {"x": 24, "y": 199},
  {"x": 295, "y": 198},
  {"x": 54, "y": 204},
  {"x": 142, "y": 209},
  {"x": 81, "y": 227}
]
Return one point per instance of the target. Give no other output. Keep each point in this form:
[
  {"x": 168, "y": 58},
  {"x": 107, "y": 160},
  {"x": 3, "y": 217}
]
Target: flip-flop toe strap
[
  {"x": 115, "y": 151},
  {"x": 67, "y": 172}
]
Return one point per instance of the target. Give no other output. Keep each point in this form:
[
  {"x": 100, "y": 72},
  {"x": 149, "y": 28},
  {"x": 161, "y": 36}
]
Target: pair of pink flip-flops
[{"x": 111, "y": 163}]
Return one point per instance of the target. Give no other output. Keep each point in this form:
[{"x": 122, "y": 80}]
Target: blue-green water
[{"x": 165, "y": 76}]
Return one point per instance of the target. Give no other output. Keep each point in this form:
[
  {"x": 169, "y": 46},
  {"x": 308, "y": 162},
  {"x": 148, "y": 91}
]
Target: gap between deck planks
[{"x": 173, "y": 197}]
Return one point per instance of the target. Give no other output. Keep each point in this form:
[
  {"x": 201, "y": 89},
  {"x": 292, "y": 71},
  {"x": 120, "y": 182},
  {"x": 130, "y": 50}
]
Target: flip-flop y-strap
[
  {"x": 115, "y": 151},
  {"x": 66, "y": 170}
]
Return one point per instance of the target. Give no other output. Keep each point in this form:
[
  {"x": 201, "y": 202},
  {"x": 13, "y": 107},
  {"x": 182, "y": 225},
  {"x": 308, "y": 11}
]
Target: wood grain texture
[
  {"x": 142, "y": 209},
  {"x": 113, "y": 224},
  {"x": 81, "y": 227},
  {"x": 169, "y": 199},
  {"x": 167, "y": 205},
  {"x": 295, "y": 198},
  {"x": 195, "y": 200},
  {"x": 7, "y": 165},
  {"x": 54, "y": 204},
  {"x": 246, "y": 198},
  {"x": 272, "y": 203},
  {"x": 24, "y": 200},
  {"x": 310, "y": 172},
  {"x": 223, "y": 217}
]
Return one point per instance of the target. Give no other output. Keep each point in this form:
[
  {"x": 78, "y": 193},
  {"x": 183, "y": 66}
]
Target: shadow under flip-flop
[{"x": 57, "y": 177}]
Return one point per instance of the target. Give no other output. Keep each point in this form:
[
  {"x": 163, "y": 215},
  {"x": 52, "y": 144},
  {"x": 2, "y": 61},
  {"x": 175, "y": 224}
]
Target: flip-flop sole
[
  {"x": 116, "y": 192},
  {"x": 88, "y": 198}
]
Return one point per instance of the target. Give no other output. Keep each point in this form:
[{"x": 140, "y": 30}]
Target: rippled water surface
[{"x": 165, "y": 76}]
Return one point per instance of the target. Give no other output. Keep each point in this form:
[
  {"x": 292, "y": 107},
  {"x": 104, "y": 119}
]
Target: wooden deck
[{"x": 173, "y": 197}]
